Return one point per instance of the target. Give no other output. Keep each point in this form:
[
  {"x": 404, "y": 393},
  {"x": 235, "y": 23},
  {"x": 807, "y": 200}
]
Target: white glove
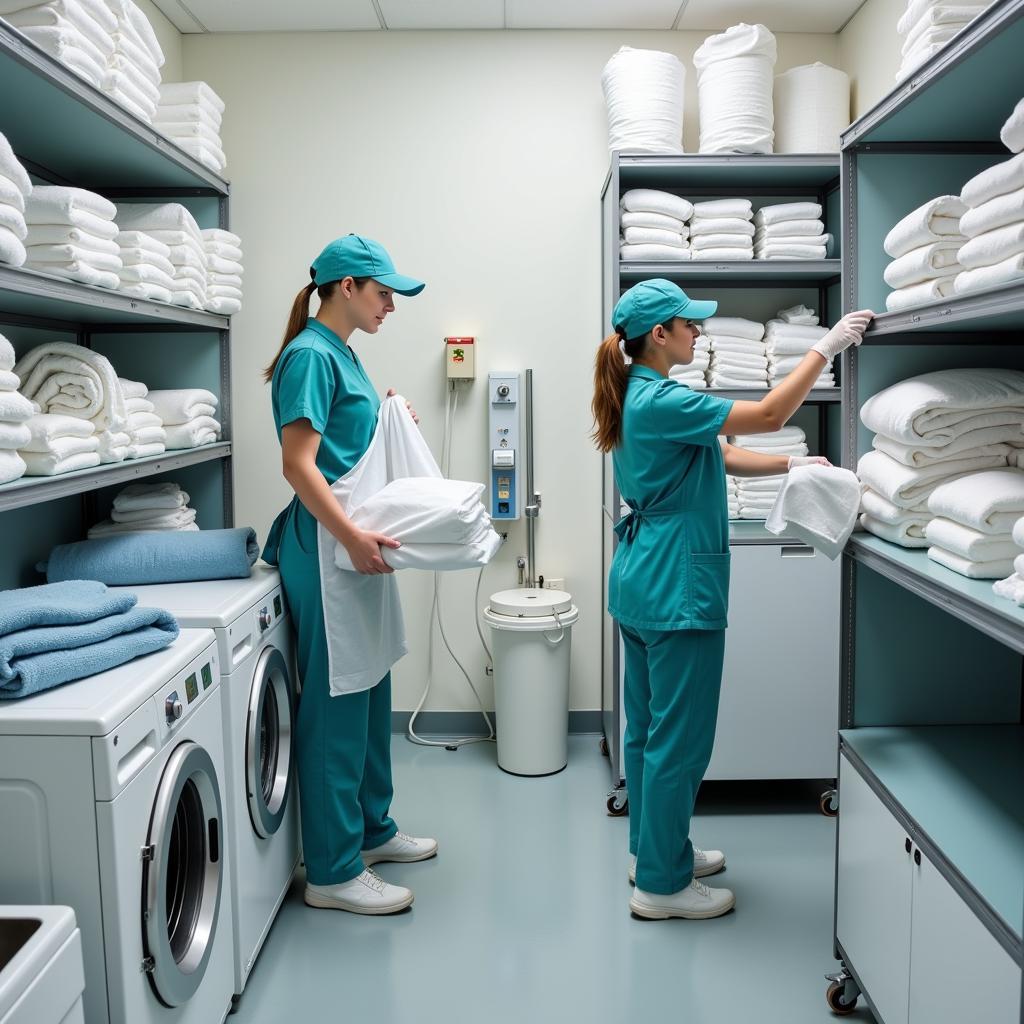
[
  {"x": 849, "y": 331},
  {"x": 807, "y": 460}
]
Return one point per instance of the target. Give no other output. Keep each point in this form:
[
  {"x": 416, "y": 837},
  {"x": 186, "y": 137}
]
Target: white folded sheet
[
  {"x": 71, "y": 254},
  {"x": 1007, "y": 272},
  {"x": 779, "y": 212},
  {"x": 191, "y": 92},
  {"x": 885, "y": 511},
  {"x": 189, "y": 255},
  {"x": 721, "y": 226},
  {"x": 222, "y": 306},
  {"x": 788, "y": 435},
  {"x": 790, "y": 251},
  {"x": 107, "y": 528},
  {"x": 56, "y": 204},
  {"x": 929, "y": 36},
  {"x": 627, "y": 219},
  {"x": 816, "y": 239},
  {"x": 996, "y": 213},
  {"x": 147, "y": 274},
  {"x": 71, "y": 47},
  {"x": 906, "y": 535},
  {"x": 632, "y": 236},
  {"x": 992, "y": 570},
  {"x": 908, "y": 486},
  {"x": 62, "y": 448},
  {"x": 47, "y": 429},
  {"x": 149, "y": 434},
  {"x": 175, "y": 407},
  {"x": 935, "y": 221},
  {"x": 722, "y": 254},
  {"x": 202, "y": 430},
  {"x": 11, "y": 168},
  {"x": 12, "y": 466},
  {"x": 992, "y": 247},
  {"x": 819, "y": 504},
  {"x": 990, "y": 502},
  {"x": 1004, "y": 177},
  {"x": 45, "y": 464},
  {"x": 205, "y": 152},
  {"x": 140, "y": 240},
  {"x": 721, "y": 380},
  {"x": 155, "y": 518},
  {"x": 144, "y": 451},
  {"x": 637, "y": 253},
  {"x": 920, "y": 294},
  {"x": 927, "y": 263},
  {"x": 198, "y": 130},
  {"x": 741, "y": 209},
  {"x": 918, "y": 9},
  {"x": 140, "y": 414},
  {"x": 12, "y": 252},
  {"x": 720, "y": 343},
  {"x": 1012, "y": 132},
  {"x": 720, "y": 242},
  {"x": 970, "y": 544},
  {"x": 755, "y": 360},
  {"x": 66, "y": 234},
  {"x": 153, "y": 218},
  {"x": 13, "y": 220},
  {"x": 788, "y": 229},
  {"x": 175, "y": 113},
  {"x": 150, "y": 497},
  {"x": 648, "y": 200},
  {"x": 913, "y": 455},
  {"x": 219, "y": 236},
  {"x": 779, "y": 330}
]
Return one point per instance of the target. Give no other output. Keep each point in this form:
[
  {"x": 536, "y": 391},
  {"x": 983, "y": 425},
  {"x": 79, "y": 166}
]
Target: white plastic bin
[{"x": 532, "y": 644}]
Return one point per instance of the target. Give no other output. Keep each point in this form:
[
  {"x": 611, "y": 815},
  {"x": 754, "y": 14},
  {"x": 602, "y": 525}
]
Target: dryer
[
  {"x": 111, "y": 802},
  {"x": 258, "y": 698}
]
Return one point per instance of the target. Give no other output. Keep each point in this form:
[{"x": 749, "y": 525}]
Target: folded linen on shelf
[
  {"x": 634, "y": 253},
  {"x": 12, "y": 466},
  {"x": 632, "y": 236},
  {"x": 202, "y": 430},
  {"x": 908, "y": 486},
  {"x": 720, "y": 226},
  {"x": 1012, "y": 132},
  {"x": 1004, "y": 177},
  {"x": 919, "y": 294},
  {"x": 131, "y": 19},
  {"x": 990, "y": 502},
  {"x": 165, "y": 518},
  {"x": 71, "y": 47},
  {"x": 927, "y": 263},
  {"x": 221, "y": 305},
  {"x": 723, "y": 254},
  {"x": 970, "y": 544},
  {"x": 151, "y": 218},
  {"x": 70, "y": 255},
  {"x": 113, "y": 445},
  {"x": 739, "y": 345},
  {"x": 992, "y": 247},
  {"x": 789, "y": 435},
  {"x": 15, "y": 407},
  {"x": 914, "y": 455},
  {"x": 790, "y": 251},
  {"x": 13, "y": 220},
  {"x": 992, "y": 570},
  {"x": 894, "y": 515},
  {"x": 58, "y": 204},
  {"x": 62, "y": 447},
  {"x": 749, "y": 360},
  {"x": 733, "y": 327},
  {"x": 937, "y": 220},
  {"x": 788, "y": 229},
  {"x": 906, "y": 535},
  {"x": 710, "y": 209},
  {"x": 819, "y": 504},
  {"x": 45, "y": 464},
  {"x": 148, "y": 274},
  {"x": 183, "y": 405},
  {"x": 108, "y": 528},
  {"x": 141, "y": 240},
  {"x": 717, "y": 379},
  {"x": 996, "y": 213},
  {"x": 11, "y": 195},
  {"x": 1002, "y": 273},
  {"x": 47, "y": 429},
  {"x": 146, "y": 497},
  {"x": 191, "y": 92},
  {"x": 779, "y": 212},
  {"x": 7, "y": 356},
  {"x": 937, "y": 12},
  {"x": 14, "y": 436},
  {"x": 648, "y": 200},
  {"x": 37, "y": 235},
  {"x": 628, "y": 219},
  {"x": 720, "y": 242}
]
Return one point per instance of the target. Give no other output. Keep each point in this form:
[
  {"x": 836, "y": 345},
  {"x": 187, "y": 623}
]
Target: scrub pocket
[{"x": 709, "y": 575}]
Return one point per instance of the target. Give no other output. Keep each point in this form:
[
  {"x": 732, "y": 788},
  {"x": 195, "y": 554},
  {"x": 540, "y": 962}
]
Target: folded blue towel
[
  {"x": 59, "y": 604},
  {"x": 137, "y": 559},
  {"x": 42, "y": 662}
]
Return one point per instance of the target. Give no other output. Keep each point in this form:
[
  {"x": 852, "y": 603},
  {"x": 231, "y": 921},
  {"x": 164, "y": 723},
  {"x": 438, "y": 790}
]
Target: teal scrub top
[
  {"x": 320, "y": 378},
  {"x": 671, "y": 565}
]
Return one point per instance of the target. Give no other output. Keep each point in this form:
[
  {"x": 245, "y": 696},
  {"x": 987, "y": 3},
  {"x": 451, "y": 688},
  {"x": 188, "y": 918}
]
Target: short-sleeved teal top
[
  {"x": 671, "y": 566},
  {"x": 320, "y": 378}
]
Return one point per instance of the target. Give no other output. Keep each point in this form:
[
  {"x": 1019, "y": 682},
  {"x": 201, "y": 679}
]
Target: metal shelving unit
[
  {"x": 765, "y": 180},
  {"x": 931, "y": 693},
  {"x": 67, "y": 132}
]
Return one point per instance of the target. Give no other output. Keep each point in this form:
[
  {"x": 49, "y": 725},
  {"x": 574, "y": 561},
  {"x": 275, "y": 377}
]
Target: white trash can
[{"x": 532, "y": 641}]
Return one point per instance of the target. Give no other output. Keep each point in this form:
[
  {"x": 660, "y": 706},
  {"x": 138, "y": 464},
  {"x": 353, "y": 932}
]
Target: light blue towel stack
[
  {"x": 140, "y": 559},
  {"x": 59, "y": 632}
]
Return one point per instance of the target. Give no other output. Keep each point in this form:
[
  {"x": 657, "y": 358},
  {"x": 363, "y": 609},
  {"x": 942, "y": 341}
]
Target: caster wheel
[
  {"x": 837, "y": 1001},
  {"x": 829, "y": 803},
  {"x": 604, "y": 747},
  {"x": 618, "y": 805}
]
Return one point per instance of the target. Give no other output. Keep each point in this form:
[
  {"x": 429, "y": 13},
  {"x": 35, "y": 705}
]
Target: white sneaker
[
  {"x": 705, "y": 862},
  {"x": 401, "y": 849},
  {"x": 367, "y": 894},
  {"x": 695, "y": 902}
]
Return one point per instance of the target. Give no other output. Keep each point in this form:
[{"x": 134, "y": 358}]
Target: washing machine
[
  {"x": 258, "y": 698},
  {"x": 111, "y": 802}
]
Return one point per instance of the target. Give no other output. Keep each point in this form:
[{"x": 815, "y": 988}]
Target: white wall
[
  {"x": 869, "y": 52},
  {"x": 169, "y": 38},
  {"x": 477, "y": 159}
]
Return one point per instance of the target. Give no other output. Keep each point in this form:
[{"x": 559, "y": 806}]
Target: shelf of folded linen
[
  {"x": 148, "y": 508},
  {"x": 790, "y": 231},
  {"x": 653, "y": 226},
  {"x": 722, "y": 230},
  {"x": 190, "y": 114},
  {"x": 738, "y": 358},
  {"x": 931, "y": 432},
  {"x": 756, "y": 495},
  {"x": 788, "y": 338}
]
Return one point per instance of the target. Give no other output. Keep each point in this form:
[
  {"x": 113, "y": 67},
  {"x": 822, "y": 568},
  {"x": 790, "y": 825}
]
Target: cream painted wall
[
  {"x": 869, "y": 52},
  {"x": 169, "y": 38},
  {"x": 478, "y": 159}
]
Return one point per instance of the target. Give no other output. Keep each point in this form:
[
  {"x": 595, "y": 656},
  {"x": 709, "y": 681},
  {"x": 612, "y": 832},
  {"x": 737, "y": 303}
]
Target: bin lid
[{"x": 530, "y": 603}]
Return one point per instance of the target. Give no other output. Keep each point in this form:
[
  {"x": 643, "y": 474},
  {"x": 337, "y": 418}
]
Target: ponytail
[{"x": 611, "y": 375}]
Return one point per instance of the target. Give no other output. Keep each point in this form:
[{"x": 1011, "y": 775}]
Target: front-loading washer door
[
  {"x": 268, "y": 742},
  {"x": 182, "y": 875}
]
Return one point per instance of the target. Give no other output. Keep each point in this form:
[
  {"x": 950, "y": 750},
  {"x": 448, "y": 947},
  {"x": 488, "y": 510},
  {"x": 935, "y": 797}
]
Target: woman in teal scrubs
[
  {"x": 669, "y": 581},
  {"x": 325, "y": 411}
]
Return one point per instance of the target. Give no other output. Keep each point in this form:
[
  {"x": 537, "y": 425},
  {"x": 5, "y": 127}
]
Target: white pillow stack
[
  {"x": 734, "y": 90},
  {"x": 928, "y": 25},
  {"x": 190, "y": 114},
  {"x": 643, "y": 92},
  {"x": 176, "y": 228},
  {"x": 15, "y": 186},
  {"x": 721, "y": 229},
  {"x": 790, "y": 231},
  {"x": 133, "y": 70},
  {"x": 653, "y": 225},
  {"x": 71, "y": 234},
  {"x": 223, "y": 271},
  {"x": 738, "y": 356},
  {"x": 812, "y": 109}
]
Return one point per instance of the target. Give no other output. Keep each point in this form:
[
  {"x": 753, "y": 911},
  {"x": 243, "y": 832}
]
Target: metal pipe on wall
[{"x": 532, "y": 504}]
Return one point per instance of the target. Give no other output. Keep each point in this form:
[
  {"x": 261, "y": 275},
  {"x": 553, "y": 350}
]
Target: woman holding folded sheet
[{"x": 669, "y": 581}]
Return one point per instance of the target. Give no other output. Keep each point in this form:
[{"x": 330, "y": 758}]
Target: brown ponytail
[{"x": 610, "y": 378}]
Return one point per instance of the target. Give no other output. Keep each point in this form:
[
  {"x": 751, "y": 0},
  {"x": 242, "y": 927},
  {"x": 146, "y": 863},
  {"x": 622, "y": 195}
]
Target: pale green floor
[{"x": 524, "y": 917}]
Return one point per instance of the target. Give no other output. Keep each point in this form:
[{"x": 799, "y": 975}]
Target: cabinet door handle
[
  {"x": 917, "y": 857},
  {"x": 908, "y": 846},
  {"x": 796, "y": 552}
]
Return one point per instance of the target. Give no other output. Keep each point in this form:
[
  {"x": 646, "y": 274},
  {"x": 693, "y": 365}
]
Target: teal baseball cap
[
  {"x": 355, "y": 256},
  {"x": 654, "y": 302}
]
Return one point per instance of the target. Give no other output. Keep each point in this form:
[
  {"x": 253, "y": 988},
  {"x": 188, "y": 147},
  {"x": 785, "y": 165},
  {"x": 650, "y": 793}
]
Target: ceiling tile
[
  {"x": 443, "y": 14},
  {"x": 778, "y": 15},
  {"x": 271, "y": 15},
  {"x": 591, "y": 14}
]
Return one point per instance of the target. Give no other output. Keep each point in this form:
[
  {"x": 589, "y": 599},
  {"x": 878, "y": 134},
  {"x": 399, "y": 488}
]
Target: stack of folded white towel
[
  {"x": 732, "y": 495},
  {"x": 223, "y": 271},
  {"x": 71, "y": 381},
  {"x": 993, "y": 254},
  {"x": 190, "y": 113},
  {"x": 133, "y": 71},
  {"x": 147, "y": 271},
  {"x": 924, "y": 246},
  {"x": 188, "y": 416},
  {"x": 78, "y": 33},
  {"x": 972, "y": 532},
  {"x": 790, "y": 231},
  {"x": 71, "y": 234},
  {"x": 15, "y": 410},
  {"x": 654, "y": 225},
  {"x": 694, "y": 374},
  {"x": 59, "y": 444},
  {"x": 15, "y": 185},
  {"x": 148, "y": 508},
  {"x": 738, "y": 355},
  {"x": 175, "y": 227},
  {"x": 756, "y": 495},
  {"x": 788, "y": 338},
  {"x": 928, "y": 25},
  {"x": 929, "y": 430},
  {"x": 145, "y": 428},
  {"x": 722, "y": 229}
]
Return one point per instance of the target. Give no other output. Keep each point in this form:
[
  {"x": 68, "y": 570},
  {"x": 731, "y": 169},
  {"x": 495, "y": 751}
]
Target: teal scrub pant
[
  {"x": 672, "y": 685},
  {"x": 343, "y": 744}
]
